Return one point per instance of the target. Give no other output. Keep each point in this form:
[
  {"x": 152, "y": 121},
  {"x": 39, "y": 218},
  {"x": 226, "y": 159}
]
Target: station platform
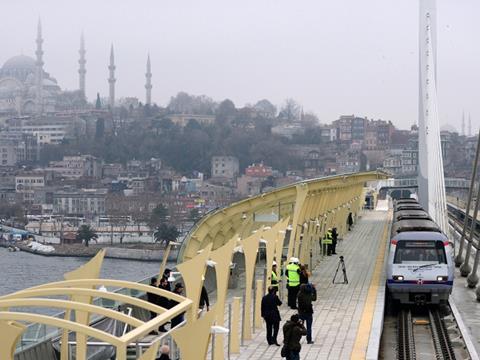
[
  {"x": 465, "y": 301},
  {"x": 343, "y": 313}
]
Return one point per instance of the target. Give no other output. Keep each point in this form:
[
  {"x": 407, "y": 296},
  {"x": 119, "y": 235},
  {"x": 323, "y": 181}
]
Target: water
[{"x": 20, "y": 270}]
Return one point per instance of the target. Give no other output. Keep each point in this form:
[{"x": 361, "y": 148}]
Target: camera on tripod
[{"x": 341, "y": 263}]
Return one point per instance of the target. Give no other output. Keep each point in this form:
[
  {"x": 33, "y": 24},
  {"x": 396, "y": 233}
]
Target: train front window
[{"x": 408, "y": 252}]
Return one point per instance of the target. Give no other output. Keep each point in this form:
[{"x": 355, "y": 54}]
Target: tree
[
  {"x": 266, "y": 107},
  {"x": 158, "y": 217},
  {"x": 184, "y": 103},
  {"x": 290, "y": 110},
  {"x": 86, "y": 233},
  {"x": 166, "y": 233},
  {"x": 225, "y": 110}
]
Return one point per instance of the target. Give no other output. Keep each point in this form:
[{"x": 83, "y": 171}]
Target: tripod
[{"x": 344, "y": 270}]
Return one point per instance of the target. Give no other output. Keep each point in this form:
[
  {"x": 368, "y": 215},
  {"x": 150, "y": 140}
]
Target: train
[{"x": 420, "y": 268}]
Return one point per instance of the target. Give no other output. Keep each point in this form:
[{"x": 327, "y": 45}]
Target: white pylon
[{"x": 431, "y": 182}]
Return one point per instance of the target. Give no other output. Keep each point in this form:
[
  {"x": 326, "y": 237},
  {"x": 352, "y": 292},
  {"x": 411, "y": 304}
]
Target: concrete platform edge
[
  {"x": 376, "y": 331},
  {"x": 464, "y": 331}
]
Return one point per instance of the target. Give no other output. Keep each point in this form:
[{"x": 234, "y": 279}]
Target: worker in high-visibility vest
[
  {"x": 293, "y": 281},
  {"x": 327, "y": 241},
  {"x": 274, "y": 277}
]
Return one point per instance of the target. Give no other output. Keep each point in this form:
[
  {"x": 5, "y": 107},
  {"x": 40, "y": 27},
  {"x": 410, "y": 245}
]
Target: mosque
[{"x": 27, "y": 89}]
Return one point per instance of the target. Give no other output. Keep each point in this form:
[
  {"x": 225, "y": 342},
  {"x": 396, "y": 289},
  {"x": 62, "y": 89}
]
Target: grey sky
[{"x": 335, "y": 57}]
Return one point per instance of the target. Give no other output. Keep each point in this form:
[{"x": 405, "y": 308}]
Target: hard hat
[
  {"x": 292, "y": 259},
  {"x": 296, "y": 260},
  {"x": 274, "y": 263}
]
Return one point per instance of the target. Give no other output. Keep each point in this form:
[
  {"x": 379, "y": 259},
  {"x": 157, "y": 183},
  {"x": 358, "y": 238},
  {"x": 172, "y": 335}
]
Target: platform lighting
[
  {"x": 244, "y": 216},
  {"x": 263, "y": 241},
  {"x": 289, "y": 227}
]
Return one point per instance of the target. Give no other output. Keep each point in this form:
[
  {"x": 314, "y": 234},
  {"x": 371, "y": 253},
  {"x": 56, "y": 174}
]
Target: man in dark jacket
[
  {"x": 163, "y": 301},
  {"x": 179, "y": 318},
  {"x": 334, "y": 241},
  {"x": 271, "y": 315},
  {"x": 293, "y": 330},
  {"x": 153, "y": 298},
  {"x": 306, "y": 295}
]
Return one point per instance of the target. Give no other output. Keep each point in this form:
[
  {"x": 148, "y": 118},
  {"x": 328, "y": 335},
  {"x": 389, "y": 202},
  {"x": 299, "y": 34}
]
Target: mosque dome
[
  {"x": 20, "y": 62},
  {"x": 18, "y": 67}
]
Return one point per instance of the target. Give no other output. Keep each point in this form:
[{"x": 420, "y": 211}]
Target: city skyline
[{"x": 192, "y": 58}]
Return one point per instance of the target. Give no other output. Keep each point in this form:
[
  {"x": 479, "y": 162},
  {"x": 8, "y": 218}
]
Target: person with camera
[
  {"x": 293, "y": 330},
  {"x": 306, "y": 295}
]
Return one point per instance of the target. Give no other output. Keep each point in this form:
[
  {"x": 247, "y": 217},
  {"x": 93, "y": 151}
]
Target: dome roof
[{"x": 20, "y": 62}]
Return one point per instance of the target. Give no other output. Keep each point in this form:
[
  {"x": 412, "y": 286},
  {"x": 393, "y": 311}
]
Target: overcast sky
[{"x": 335, "y": 57}]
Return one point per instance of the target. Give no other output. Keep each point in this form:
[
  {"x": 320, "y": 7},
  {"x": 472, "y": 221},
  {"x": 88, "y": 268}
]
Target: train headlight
[
  {"x": 442, "y": 278},
  {"x": 398, "y": 277}
]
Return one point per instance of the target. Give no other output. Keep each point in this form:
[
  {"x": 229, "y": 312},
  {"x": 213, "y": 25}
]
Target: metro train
[{"x": 420, "y": 268}]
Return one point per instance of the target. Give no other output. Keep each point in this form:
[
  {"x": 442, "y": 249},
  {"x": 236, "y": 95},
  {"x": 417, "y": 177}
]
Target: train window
[{"x": 420, "y": 251}]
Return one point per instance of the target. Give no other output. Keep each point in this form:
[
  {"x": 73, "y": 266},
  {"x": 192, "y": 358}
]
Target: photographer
[
  {"x": 293, "y": 330},
  {"x": 306, "y": 295}
]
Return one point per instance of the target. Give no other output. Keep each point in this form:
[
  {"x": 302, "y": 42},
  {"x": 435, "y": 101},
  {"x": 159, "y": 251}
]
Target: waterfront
[{"x": 19, "y": 270}]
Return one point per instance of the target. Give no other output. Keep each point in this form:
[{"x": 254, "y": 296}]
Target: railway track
[
  {"x": 423, "y": 333},
  {"x": 406, "y": 342}
]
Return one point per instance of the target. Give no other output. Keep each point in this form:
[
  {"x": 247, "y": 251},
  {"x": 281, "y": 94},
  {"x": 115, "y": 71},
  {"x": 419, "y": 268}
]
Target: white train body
[{"x": 420, "y": 267}]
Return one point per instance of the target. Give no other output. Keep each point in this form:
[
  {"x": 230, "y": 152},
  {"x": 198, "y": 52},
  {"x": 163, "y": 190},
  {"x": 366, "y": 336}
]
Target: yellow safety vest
[
  {"x": 328, "y": 238},
  {"x": 274, "y": 281},
  {"x": 293, "y": 275}
]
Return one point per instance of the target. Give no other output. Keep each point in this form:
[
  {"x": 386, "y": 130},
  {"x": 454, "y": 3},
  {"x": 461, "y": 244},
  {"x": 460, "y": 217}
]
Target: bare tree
[{"x": 290, "y": 110}]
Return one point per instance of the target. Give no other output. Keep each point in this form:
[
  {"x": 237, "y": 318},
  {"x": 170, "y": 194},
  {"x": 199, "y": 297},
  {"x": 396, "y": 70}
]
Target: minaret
[
  {"x": 81, "y": 69},
  {"x": 469, "y": 125},
  {"x": 463, "y": 124},
  {"x": 148, "y": 83},
  {"x": 111, "y": 79},
  {"x": 39, "y": 70}
]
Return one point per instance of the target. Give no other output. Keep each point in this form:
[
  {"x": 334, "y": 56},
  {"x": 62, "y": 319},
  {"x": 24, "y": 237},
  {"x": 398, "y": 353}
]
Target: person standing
[
  {"x": 293, "y": 330},
  {"x": 293, "y": 281},
  {"x": 179, "y": 318},
  {"x": 327, "y": 241},
  {"x": 153, "y": 298},
  {"x": 274, "y": 281},
  {"x": 306, "y": 295},
  {"x": 271, "y": 315},
  {"x": 304, "y": 274},
  {"x": 334, "y": 241},
  {"x": 350, "y": 221},
  {"x": 163, "y": 301}
]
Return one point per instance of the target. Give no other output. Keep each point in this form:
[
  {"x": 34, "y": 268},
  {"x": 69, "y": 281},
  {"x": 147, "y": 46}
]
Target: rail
[
  {"x": 406, "y": 342},
  {"x": 441, "y": 339}
]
